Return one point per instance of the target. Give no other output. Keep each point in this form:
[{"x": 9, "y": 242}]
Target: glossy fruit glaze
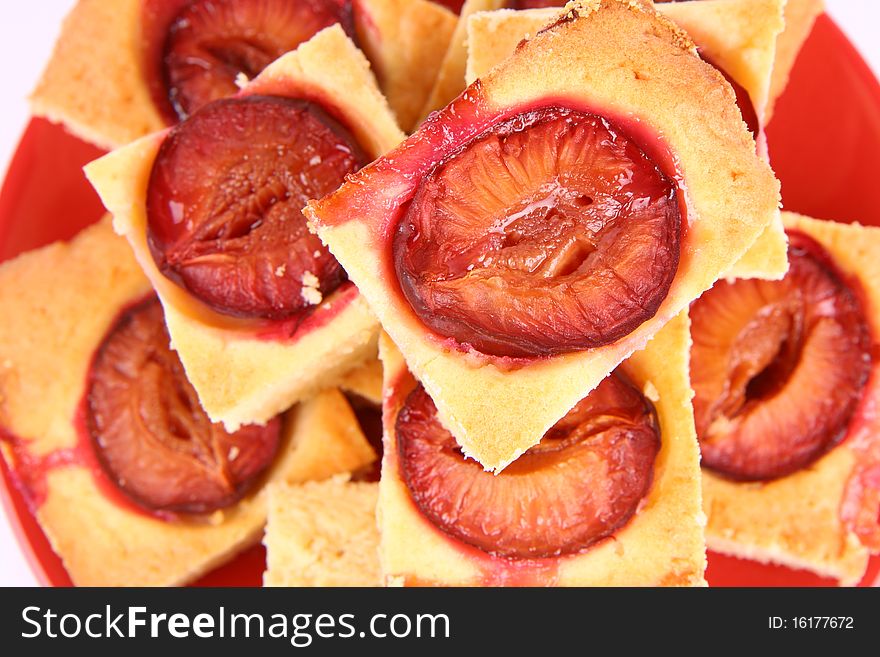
[
  {"x": 552, "y": 231},
  {"x": 225, "y": 198}
]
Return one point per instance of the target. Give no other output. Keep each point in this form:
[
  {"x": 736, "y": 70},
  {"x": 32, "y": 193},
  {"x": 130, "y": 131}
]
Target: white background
[{"x": 27, "y": 31}]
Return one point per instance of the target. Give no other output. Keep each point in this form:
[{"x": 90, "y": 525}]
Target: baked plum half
[
  {"x": 210, "y": 42},
  {"x": 150, "y": 433},
  {"x": 225, "y": 198},
  {"x": 777, "y": 367},
  {"x": 583, "y": 482},
  {"x": 550, "y": 232}
]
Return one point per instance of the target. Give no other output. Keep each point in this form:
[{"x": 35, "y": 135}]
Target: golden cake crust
[
  {"x": 661, "y": 545},
  {"x": 796, "y": 520},
  {"x": 239, "y": 377},
  {"x": 89, "y": 279},
  {"x": 46, "y": 348},
  {"x": 322, "y": 534},
  {"x": 492, "y": 36},
  {"x": 450, "y": 77},
  {"x": 94, "y": 82},
  {"x": 739, "y": 35},
  {"x": 727, "y": 31},
  {"x": 327, "y": 438},
  {"x": 365, "y": 381},
  {"x": 742, "y": 36},
  {"x": 405, "y": 41},
  {"x": 731, "y": 196},
  {"x": 800, "y": 16}
]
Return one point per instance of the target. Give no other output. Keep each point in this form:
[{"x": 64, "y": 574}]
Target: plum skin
[
  {"x": 237, "y": 36},
  {"x": 151, "y": 436},
  {"x": 778, "y": 367},
  {"x": 514, "y": 247},
  {"x": 224, "y": 204},
  {"x": 581, "y": 484}
]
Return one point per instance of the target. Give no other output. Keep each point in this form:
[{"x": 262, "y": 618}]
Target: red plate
[{"x": 825, "y": 145}]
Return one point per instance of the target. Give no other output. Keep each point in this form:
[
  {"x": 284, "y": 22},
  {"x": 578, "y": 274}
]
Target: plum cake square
[
  {"x": 323, "y": 533},
  {"x": 786, "y": 395},
  {"x": 533, "y": 234},
  {"x": 610, "y": 497},
  {"x": 104, "y": 436},
  {"x": 260, "y": 312}
]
